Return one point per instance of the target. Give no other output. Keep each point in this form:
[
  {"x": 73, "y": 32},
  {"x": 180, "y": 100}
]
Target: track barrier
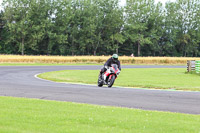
[{"x": 193, "y": 65}]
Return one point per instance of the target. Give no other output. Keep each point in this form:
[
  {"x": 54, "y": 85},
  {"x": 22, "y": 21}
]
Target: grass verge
[
  {"x": 159, "y": 78},
  {"x": 31, "y": 115}
]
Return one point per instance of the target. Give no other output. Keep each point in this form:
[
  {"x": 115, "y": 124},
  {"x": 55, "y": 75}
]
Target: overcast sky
[{"x": 123, "y": 1}]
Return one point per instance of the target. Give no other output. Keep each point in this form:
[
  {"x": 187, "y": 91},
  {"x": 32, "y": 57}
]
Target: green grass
[
  {"x": 159, "y": 78},
  {"x": 20, "y": 115}
]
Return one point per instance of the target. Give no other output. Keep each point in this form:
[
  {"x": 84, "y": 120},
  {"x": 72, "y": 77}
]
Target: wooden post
[{"x": 188, "y": 66}]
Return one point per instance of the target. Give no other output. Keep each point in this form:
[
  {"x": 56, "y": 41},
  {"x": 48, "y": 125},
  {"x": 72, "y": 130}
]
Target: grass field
[
  {"x": 160, "y": 78},
  {"x": 20, "y": 115}
]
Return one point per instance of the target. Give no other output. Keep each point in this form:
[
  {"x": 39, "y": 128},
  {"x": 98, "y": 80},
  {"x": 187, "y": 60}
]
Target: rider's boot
[{"x": 101, "y": 75}]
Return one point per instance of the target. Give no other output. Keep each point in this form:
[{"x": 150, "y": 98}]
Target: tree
[
  {"x": 138, "y": 14},
  {"x": 17, "y": 21},
  {"x": 1, "y": 29},
  {"x": 181, "y": 25},
  {"x": 117, "y": 21}
]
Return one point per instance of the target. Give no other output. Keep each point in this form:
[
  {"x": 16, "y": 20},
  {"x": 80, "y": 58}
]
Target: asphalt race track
[{"x": 20, "y": 81}]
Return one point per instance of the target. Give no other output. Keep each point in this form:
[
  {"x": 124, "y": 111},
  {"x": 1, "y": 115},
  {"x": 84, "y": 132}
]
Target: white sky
[{"x": 122, "y": 2}]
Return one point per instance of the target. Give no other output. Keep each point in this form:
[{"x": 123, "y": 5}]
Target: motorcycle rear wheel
[{"x": 111, "y": 82}]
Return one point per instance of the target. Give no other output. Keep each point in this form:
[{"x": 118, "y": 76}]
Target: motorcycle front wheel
[
  {"x": 100, "y": 81},
  {"x": 111, "y": 82}
]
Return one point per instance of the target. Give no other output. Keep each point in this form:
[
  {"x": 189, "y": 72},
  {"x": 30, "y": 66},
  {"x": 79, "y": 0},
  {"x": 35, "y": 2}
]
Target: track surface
[{"x": 19, "y": 81}]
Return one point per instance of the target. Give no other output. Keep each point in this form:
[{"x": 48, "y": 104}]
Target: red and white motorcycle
[{"x": 108, "y": 77}]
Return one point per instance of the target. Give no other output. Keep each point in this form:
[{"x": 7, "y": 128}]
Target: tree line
[{"x": 100, "y": 27}]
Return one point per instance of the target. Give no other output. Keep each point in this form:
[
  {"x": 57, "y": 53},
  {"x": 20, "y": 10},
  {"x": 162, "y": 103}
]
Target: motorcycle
[{"x": 108, "y": 77}]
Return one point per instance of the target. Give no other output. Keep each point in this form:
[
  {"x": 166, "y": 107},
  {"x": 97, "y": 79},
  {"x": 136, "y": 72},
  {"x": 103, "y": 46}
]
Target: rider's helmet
[{"x": 115, "y": 57}]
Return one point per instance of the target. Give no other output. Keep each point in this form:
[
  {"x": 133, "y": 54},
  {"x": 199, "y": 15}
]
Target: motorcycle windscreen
[{"x": 115, "y": 67}]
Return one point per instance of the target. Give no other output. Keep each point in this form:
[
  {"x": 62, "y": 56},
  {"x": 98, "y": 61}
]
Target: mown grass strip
[
  {"x": 30, "y": 115},
  {"x": 160, "y": 78}
]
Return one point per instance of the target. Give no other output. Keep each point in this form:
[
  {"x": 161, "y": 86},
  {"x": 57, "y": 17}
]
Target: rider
[{"x": 109, "y": 62}]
